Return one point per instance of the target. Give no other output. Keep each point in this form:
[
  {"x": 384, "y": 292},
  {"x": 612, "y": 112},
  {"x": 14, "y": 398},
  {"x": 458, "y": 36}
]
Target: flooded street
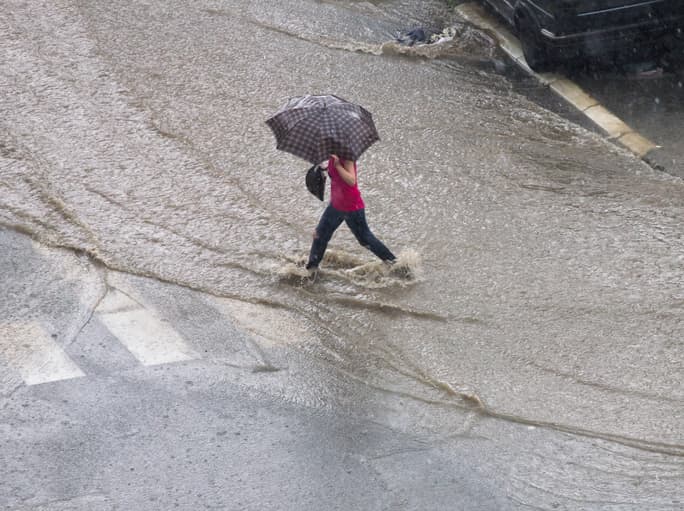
[{"x": 549, "y": 264}]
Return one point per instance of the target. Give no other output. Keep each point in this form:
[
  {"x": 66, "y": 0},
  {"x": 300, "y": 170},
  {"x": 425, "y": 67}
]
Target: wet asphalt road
[
  {"x": 653, "y": 106},
  {"x": 153, "y": 313},
  {"x": 250, "y": 424},
  {"x": 648, "y": 94}
]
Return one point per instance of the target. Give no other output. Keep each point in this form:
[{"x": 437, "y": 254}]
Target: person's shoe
[
  {"x": 399, "y": 270},
  {"x": 313, "y": 272}
]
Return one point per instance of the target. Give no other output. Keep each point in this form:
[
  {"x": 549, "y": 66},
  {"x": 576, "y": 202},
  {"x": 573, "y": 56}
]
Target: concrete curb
[{"x": 612, "y": 126}]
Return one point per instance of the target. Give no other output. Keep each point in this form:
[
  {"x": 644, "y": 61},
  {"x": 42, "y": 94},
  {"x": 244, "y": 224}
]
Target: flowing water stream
[{"x": 547, "y": 264}]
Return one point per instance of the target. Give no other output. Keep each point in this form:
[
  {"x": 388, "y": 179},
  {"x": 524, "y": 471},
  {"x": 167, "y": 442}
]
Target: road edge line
[{"x": 614, "y": 128}]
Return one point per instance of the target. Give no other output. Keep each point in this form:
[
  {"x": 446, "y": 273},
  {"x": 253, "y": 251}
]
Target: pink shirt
[{"x": 343, "y": 197}]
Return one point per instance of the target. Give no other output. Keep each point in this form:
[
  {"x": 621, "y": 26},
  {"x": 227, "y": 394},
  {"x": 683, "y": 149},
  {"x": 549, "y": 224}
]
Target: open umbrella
[{"x": 314, "y": 127}]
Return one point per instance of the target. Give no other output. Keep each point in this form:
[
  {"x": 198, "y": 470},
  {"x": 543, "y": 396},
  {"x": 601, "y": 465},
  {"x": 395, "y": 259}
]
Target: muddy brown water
[{"x": 548, "y": 280}]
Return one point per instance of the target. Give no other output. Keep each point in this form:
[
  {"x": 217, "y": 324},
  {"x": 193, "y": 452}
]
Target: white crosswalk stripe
[
  {"x": 149, "y": 339},
  {"x": 30, "y": 352},
  {"x": 29, "y": 349}
]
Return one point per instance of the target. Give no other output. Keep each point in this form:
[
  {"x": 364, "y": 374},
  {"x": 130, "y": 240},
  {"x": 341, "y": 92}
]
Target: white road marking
[
  {"x": 35, "y": 354},
  {"x": 148, "y": 338}
]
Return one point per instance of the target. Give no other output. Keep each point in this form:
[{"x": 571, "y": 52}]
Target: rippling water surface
[{"x": 548, "y": 264}]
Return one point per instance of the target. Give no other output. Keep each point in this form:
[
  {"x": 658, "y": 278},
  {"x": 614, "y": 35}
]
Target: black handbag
[{"x": 315, "y": 181}]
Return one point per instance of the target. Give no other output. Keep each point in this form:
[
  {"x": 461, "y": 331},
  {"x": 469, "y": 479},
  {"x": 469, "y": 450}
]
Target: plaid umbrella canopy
[{"x": 314, "y": 127}]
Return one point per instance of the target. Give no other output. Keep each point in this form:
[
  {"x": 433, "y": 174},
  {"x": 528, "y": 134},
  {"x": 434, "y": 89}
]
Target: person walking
[{"x": 345, "y": 205}]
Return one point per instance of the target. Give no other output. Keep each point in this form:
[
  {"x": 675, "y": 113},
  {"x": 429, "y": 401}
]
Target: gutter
[{"x": 612, "y": 126}]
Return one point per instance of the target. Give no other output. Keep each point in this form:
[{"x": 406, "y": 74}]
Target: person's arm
[{"x": 346, "y": 171}]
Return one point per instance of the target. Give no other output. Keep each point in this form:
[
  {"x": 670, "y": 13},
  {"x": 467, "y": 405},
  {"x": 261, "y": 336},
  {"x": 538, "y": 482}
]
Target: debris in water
[
  {"x": 457, "y": 40},
  {"x": 417, "y": 35}
]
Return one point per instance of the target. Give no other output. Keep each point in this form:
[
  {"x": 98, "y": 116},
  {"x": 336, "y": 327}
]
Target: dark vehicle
[{"x": 552, "y": 31}]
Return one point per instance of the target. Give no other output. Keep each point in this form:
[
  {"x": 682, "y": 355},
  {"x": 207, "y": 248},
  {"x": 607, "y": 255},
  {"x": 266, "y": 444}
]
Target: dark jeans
[{"x": 356, "y": 220}]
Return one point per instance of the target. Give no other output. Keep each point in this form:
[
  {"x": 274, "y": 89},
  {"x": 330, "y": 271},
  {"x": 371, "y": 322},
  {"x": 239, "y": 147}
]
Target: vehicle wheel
[{"x": 535, "y": 51}]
